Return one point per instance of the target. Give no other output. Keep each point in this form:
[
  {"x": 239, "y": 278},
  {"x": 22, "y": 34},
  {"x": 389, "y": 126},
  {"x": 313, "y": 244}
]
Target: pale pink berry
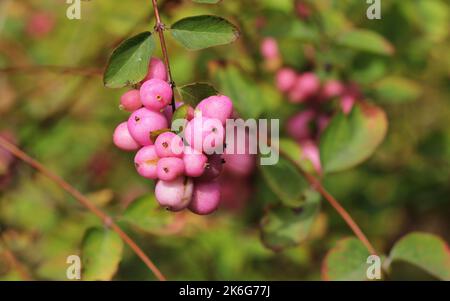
[
  {"x": 269, "y": 48},
  {"x": 146, "y": 161},
  {"x": 194, "y": 162},
  {"x": 306, "y": 86},
  {"x": 131, "y": 101},
  {"x": 170, "y": 168},
  {"x": 122, "y": 138},
  {"x": 205, "y": 134},
  {"x": 174, "y": 195},
  {"x": 156, "y": 69},
  {"x": 156, "y": 94},
  {"x": 206, "y": 197},
  {"x": 213, "y": 168},
  {"x": 299, "y": 125},
  {"x": 143, "y": 122},
  {"x": 218, "y": 106},
  {"x": 347, "y": 102},
  {"x": 332, "y": 88},
  {"x": 285, "y": 79},
  {"x": 310, "y": 152},
  {"x": 169, "y": 144}
]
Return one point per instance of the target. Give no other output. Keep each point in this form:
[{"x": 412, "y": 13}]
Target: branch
[
  {"x": 317, "y": 185},
  {"x": 49, "y": 68},
  {"x": 107, "y": 220},
  {"x": 159, "y": 27},
  {"x": 15, "y": 263}
]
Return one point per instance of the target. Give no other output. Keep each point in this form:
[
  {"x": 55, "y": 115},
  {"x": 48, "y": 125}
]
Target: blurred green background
[{"x": 66, "y": 120}]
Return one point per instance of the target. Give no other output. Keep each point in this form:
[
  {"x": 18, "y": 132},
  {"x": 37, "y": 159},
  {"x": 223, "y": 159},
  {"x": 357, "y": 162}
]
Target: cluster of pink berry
[
  {"x": 307, "y": 89},
  {"x": 185, "y": 165}
]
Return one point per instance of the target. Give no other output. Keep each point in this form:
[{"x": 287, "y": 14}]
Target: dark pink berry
[
  {"x": 217, "y": 107},
  {"x": 156, "y": 94},
  {"x": 213, "y": 168},
  {"x": 169, "y": 145},
  {"x": 299, "y": 125},
  {"x": 170, "y": 168},
  {"x": 156, "y": 69},
  {"x": 285, "y": 79},
  {"x": 206, "y": 197},
  {"x": 194, "y": 162},
  {"x": 143, "y": 122}
]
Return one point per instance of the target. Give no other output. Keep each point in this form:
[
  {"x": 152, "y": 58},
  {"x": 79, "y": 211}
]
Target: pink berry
[
  {"x": 303, "y": 10},
  {"x": 170, "y": 168},
  {"x": 156, "y": 94},
  {"x": 122, "y": 138},
  {"x": 299, "y": 126},
  {"x": 285, "y": 79},
  {"x": 142, "y": 122},
  {"x": 213, "y": 168},
  {"x": 156, "y": 69},
  {"x": 205, "y": 134},
  {"x": 194, "y": 162},
  {"x": 238, "y": 157},
  {"x": 332, "y": 88},
  {"x": 167, "y": 111},
  {"x": 174, "y": 195},
  {"x": 234, "y": 192},
  {"x": 269, "y": 48},
  {"x": 131, "y": 101},
  {"x": 239, "y": 164},
  {"x": 310, "y": 152},
  {"x": 146, "y": 161},
  {"x": 169, "y": 144},
  {"x": 40, "y": 24},
  {"x": 322, "y": 122},
  {"x": 347, "y": 102},
  {"x": 218, "y": 106},
  {"x": 206, "y": 198},
  {"x": 306, "y": 85}
]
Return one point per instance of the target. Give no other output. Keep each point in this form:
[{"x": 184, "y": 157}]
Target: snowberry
[
  {"x": 285, "y": 79},
  {"x": 167, "y": 111},
  {"x": 131, "y": 101},
  {"x": 306, "y": 85},
  {"x": 194, "y": 162},
  {"x": 142, "y": 122},
  {"x": 269, "y": 48},
  {"x": 347, "y": 102},
  {"x": 218, "y": 107},
  {"x": 310, "y": 151},
  {"x": 156, "y": 94},
  {"x": 169, "y": 144},
  {"x": 156, "y": 69},
  {"x": 213, "y": 167},
  {"x": 332, "y": 88},
  {"x": 146, "y": 161},
  {"x": 174, "y": 195},
  {"x": 122, "y": 138},
  {"x": 170, "y": 168},
  {"x": 40, "y": 24},
  {"x": 238, "y": 158},
  {"x": 299, "y": 125},
  {"x": 206, "y": 197},
  {"x": 205, "y": 134}
]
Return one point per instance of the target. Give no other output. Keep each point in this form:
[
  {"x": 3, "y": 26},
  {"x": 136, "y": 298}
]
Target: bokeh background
[{"x": 65, "y": 118}]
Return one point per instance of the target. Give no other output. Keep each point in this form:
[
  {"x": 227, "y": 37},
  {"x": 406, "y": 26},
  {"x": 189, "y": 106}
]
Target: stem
[
  {"x": 107, "y": 220},
  {"x": 50, "y": 68},
  {"x": 15, "y": 263},
  {"x": 159, "y": 27},
  {"x": 317, "y": 185}
]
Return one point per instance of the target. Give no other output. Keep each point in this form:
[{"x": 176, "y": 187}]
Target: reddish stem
[{"x": 107, "y": 220}]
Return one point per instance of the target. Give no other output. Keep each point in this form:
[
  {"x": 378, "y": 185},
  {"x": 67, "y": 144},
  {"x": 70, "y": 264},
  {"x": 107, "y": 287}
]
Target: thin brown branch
[
  {"x": 50, "y": 68},
  {"x": 317, "y": 185},
  {"x": 107, "y": 220},
  {"x": 13, "y": 261},
  {"x": 160, "y": 27}
]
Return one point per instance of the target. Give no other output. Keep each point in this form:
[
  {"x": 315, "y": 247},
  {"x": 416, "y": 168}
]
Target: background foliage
[{"x": 66, "y": 121}]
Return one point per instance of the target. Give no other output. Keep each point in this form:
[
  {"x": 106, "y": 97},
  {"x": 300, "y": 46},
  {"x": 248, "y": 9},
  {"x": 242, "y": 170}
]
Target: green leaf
[
  {"x": 101, "y": 253},
  {"x": 396, "y": 89},
  {"x": 244, "y": 93},
  {"x": 192, "y": 94},
  {"x": 284, "y": 227},
  {"x": 347, "y": 261},
  {"x": 204, "y": 31},
  {"x": 145, "y": 214},
  {"x": 286, "y": 182},
  {"x": 128, "y": 64},
  {"x": 207, "y": 1},
  {"x": 426, "y": 251},
  {"x": 366, "y": 40},
  {"x": 349, "y": 140}
]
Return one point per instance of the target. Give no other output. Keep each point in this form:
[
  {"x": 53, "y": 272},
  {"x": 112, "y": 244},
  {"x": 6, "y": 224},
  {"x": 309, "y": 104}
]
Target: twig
[
  {"x": 160, "y": 27},
  {"x": 107, "y": 220},
  {"x": 15, "y": 263},
  {"x": 317, "y": 185}
]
